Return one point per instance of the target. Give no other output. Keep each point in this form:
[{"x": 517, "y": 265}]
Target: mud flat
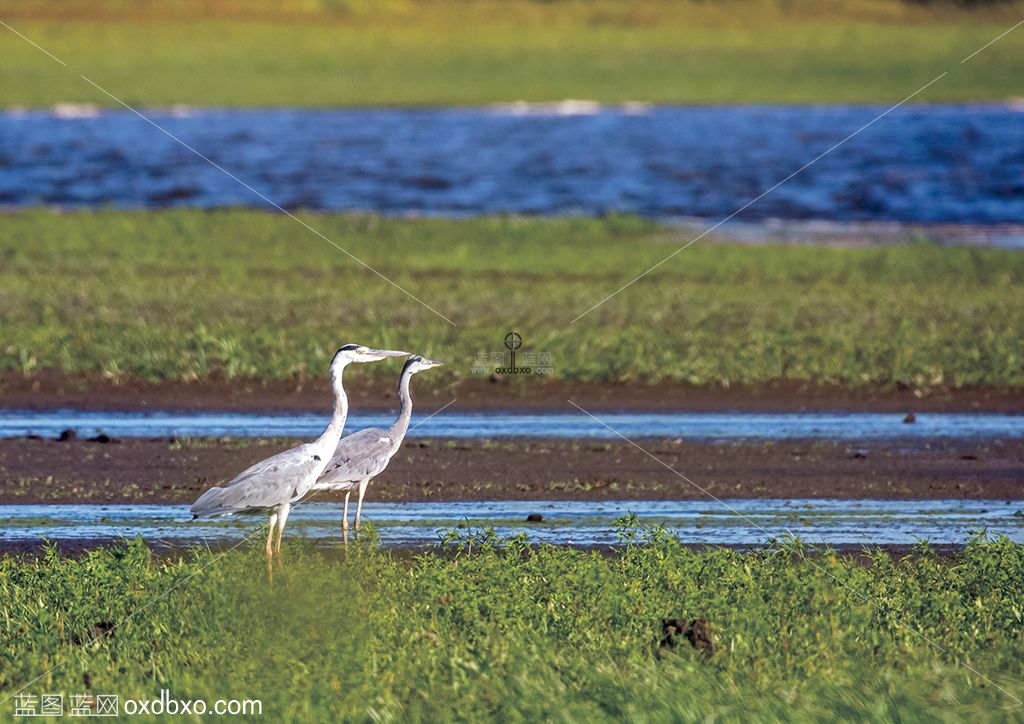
[
  {"x": 46, "y": 390},
  {"x": 176, "y": 471}
]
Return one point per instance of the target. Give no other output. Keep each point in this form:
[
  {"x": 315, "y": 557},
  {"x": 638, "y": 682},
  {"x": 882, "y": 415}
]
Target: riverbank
[
  {"x": 51, "y": 390},
  {"x": 177, "y": 471}
]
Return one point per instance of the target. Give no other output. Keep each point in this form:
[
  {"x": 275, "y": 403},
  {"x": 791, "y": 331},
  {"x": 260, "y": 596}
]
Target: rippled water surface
[
  {"x": 730, "y": 522},
  {"x": 922, "y": 163},
  {"x": 695, "y": 426}
]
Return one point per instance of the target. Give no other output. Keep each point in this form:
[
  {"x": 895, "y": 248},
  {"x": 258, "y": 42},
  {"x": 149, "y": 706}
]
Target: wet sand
[
  {"x": 165, "y": 471},
  {"x": 48, "y": 390}
]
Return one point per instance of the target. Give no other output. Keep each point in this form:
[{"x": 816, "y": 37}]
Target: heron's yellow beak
[{"x": 379, "y": 354}]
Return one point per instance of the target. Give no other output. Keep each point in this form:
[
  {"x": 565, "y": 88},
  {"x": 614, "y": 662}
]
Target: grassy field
[
  {"x": 187, "y": 295},
  {"x": 446, "y": 52},
  {"x": 495, "y": 630}
]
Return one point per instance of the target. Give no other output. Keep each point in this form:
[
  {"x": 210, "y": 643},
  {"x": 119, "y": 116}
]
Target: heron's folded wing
[
  {"x": 358, "y": 456},
  {"x": 281, "y": 478}
]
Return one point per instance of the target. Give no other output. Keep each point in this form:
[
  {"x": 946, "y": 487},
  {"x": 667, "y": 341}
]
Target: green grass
[
  {"x": 190, "y": 295},
  {"x": 495, "y": 630},
  {"x": 482, "y": 52}
]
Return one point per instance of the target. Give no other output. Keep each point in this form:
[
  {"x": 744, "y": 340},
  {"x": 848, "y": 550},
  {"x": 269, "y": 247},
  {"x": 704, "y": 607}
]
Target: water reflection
[{"x": 585, "y": 523}]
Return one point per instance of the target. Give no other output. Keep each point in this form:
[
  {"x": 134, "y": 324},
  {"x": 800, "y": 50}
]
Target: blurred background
[{"x": 512, "y": 164}]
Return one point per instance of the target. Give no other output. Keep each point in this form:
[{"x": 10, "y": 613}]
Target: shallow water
[
  {"x": 586, "y": 523},
  {"x": 690, "y": 426},
  {"x": 923, "y": 163}
]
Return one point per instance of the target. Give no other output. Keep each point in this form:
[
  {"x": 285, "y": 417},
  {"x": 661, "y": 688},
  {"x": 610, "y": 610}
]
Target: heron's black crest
[
  {"x": 413, "y": 359},
  {"x": 346, "y": 348}
]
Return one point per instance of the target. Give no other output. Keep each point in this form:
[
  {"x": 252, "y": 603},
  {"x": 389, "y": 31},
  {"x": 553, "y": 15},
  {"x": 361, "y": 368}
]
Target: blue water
[
  {"x": 920, "y": 163},
  {"x": 574, "y": 424},
  {"x": 728, "y": 522}
]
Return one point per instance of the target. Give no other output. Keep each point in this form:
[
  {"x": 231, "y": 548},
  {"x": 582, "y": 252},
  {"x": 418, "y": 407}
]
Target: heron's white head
[
  {"x": 417, "y": 363},
  {"x": 359, "y": 353}
]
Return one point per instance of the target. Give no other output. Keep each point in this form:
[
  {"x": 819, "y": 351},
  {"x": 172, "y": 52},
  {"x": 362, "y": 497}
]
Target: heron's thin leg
[
  {"x": 270, "y": 534},
  {"x": 270, "y": 550},
  {"x": 344, "y": 517},
  {"x": 281, "y": 519},
  {"x": 359, "y": 505}
]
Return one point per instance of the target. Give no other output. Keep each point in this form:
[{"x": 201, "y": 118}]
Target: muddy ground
[
  {"x": 177, "y": 471},
  {"x": 51, "y": 390}
]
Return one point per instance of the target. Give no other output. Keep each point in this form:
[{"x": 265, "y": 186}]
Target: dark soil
[
  {"x": 50, "y": 390},
  {"x": 160, "y": 471},
  {"x": 697, "y": 633}
]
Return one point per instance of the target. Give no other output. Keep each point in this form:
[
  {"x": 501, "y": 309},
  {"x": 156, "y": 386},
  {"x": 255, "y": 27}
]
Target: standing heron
[
  {"x": 364, "y": 455},
  {"x": 272, "y": 485}
]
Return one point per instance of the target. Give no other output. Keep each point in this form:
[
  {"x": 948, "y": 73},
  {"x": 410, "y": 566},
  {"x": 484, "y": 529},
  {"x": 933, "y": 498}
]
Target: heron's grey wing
[
  {"x": 358, "y": 457},
  {"x": 279, "y": 479}
]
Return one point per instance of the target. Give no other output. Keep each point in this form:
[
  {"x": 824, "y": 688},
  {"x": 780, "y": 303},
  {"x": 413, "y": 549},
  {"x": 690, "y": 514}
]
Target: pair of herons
[{"x": 328, "y": 463}]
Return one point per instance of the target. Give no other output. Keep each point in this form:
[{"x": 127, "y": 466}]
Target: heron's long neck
[
  {"x": 328, "y": 440},
  {"x": 401, "y": 425}
]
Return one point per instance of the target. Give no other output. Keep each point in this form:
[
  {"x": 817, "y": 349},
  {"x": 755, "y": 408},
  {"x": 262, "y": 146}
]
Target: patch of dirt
[
  {"x": 50, "y": 390},
  {"x": 160, "y": 471},
  {"x": 697, "y": 633}
]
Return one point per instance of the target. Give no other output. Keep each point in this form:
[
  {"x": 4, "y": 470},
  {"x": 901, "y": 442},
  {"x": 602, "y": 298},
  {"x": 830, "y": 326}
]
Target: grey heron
[
  {"x": 272, "y": 485},
  {"x": 364, "y": 455}
]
